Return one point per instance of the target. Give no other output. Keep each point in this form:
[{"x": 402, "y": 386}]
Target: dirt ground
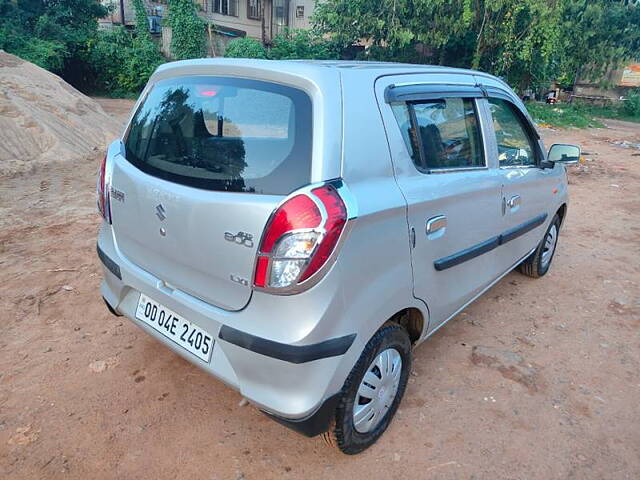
[{"x": 536, "y": 380}]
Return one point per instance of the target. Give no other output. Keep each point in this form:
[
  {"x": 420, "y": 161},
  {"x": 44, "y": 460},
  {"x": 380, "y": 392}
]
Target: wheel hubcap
[
  {"x": 377, "y": 390},
  {"x": 549, "y": 246}
]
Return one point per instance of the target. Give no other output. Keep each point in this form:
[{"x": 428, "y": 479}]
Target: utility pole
[{"x": 122, "y": 12}]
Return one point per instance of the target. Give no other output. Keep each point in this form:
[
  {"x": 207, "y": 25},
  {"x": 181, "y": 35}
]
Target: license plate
[{"x": 186, "y": 334}]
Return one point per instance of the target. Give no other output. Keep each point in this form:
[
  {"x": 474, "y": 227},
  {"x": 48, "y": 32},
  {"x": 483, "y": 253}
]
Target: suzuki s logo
[{"x": 160, "y": 212}]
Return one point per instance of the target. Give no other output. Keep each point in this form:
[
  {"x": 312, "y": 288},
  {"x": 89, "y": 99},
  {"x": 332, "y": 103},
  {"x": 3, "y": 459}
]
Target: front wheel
[
  {"x": 538, "y": 263},
  {"x": 372, "y": 392}
]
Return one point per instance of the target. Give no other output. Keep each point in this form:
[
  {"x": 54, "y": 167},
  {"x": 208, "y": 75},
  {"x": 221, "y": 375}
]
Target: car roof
[{"x": 313, "y": 68}]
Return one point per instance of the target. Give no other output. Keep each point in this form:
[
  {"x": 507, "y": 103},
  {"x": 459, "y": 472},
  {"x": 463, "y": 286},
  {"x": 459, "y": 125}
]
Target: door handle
[
  {"x": 514, "y": 202},
  {"x": 436, "y": 226}
]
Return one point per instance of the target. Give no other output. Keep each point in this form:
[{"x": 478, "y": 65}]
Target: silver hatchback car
[{"x": 296, "y": 228}]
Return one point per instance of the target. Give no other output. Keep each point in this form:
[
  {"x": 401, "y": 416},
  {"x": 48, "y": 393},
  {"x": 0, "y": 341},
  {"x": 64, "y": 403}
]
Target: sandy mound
[{"x": 43, "y": 119}]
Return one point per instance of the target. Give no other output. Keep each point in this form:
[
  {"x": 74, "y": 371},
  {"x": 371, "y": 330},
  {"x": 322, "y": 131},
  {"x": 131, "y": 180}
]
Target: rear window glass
[
  {"x": 222, "y": 133},
  {"x": 444, "y": 133}
]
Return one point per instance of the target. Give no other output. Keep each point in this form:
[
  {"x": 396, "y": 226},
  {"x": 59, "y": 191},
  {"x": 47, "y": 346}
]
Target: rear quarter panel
[{"x": 375, "y": 261}]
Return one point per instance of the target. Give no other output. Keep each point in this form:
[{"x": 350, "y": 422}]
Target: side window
[
  {"x": 442, "y": 133},
  {"x": 516, "y": 148}
]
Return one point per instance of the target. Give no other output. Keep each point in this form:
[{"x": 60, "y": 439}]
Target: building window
[
  {"x": 254, "y": 9},
  {"x": 225, "y": 7}
]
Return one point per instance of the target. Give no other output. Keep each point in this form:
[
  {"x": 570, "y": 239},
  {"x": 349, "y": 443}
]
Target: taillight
[
  {"x": 299, "y": 239},
  {"x": 102, "y": 192}
]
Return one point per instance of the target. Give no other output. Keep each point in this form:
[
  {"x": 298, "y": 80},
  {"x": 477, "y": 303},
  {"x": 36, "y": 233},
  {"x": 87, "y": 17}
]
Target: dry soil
[{"x": 536, "y": 380}]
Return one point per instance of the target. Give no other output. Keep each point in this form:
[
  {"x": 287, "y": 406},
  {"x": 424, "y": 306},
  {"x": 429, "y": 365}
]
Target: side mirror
[{"x": 564, "y": 153}]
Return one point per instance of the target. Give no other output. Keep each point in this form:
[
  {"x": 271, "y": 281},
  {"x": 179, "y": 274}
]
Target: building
[
  {"x": 615, "y": 84},
  {"x": 226, "y": 19},
  {"x": 124, "y": 8},
  {"x": 259, "y": 19}
]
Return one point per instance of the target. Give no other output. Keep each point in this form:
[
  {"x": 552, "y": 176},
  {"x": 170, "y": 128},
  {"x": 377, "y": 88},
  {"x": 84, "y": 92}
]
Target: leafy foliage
[
  {"x": 123, "y": 61},
  {"x": 293, "y": 44},
  {"x": 245, "y": 48},
  {"x": 598, "y": 34},
  {"x": 289, "y": 45},
  {"x": 631, "y": 106},
  {"x": 528, "y": 42},
  {"x": 562, "y": 116},
  {"x": 188, "y": 33},
  {"x": 144, "y": 57},
  {"x": 582, "y": 115},
  {"x": 51, "y": 33}
]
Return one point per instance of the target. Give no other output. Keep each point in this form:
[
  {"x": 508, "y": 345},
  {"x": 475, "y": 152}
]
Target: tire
[
  {"x": 537, "y": 264},
  {"x": 343, "y": 433}
]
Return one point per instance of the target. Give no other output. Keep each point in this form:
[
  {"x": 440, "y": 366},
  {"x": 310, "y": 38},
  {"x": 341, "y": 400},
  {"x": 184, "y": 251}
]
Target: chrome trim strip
[{"x": 456, "y": 169}]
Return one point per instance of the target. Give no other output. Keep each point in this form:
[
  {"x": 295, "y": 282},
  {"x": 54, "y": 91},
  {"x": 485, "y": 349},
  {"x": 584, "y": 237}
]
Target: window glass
[
  {"x": 254, "y": 9},
  {"x": 446, "y": 134},
  {"x": 515, "y": 146},
  {"x": 401, "y": 112},
  {"x": 226, "y": 7},
  {"x": 224, "y": 134}
]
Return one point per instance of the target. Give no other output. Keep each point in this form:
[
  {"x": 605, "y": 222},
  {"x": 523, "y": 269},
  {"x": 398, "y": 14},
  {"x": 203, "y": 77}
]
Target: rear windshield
[{"x": 222, "y": 133}]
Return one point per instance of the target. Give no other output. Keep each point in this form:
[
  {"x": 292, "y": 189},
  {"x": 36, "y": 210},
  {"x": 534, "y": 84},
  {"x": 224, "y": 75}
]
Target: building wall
[
  {"x": 299, "y": 14},
  {"x": 297, "y": 18},
  {"x": 114, "y": 17},
  {"x": 253, "y": 28},
  {"x": 616, "y": 83}
]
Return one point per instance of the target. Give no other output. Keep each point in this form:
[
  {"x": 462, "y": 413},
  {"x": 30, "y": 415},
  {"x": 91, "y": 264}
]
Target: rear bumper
[{"x": 294, "y": 382}]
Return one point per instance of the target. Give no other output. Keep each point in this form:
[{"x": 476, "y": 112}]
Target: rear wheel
[
  {"x": 372, "y": 392},
  {"x": 538, "y": 263}
]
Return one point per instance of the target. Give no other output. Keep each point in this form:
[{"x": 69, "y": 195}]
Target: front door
[
  {"x": 452, "y": 193},
  {"x": 526, "y": 188}
]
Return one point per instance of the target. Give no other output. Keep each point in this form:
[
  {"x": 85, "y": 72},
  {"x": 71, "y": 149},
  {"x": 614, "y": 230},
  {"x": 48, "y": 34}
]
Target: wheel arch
[
  {"x": 412, "y": 319},
  {"x": 562, "y": 212}
]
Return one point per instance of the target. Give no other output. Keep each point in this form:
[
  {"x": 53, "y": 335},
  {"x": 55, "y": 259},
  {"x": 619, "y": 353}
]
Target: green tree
[
  {"x": 598, "y": 34},
  {"x": 528, "y": 42},
  {"x": 294, "y": 44},
  {"x": 187, "y": 30},
  {"x": 245, "y": 48},
  {"x": 145, "y": 55},
  {"x": 122, "y": 61},
  {"x": 51, "y": 33}
]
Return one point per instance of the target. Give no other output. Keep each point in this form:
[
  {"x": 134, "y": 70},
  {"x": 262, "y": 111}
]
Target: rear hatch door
[{"x": 206, "y": 161}]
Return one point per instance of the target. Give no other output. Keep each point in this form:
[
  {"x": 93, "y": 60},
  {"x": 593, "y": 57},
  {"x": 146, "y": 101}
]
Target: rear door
[
  {"x": 526, "y": 188},
  {"x": 452, "y": 191},
  {"x": 206, "y": 161}
]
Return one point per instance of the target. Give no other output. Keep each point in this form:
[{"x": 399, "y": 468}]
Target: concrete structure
[
  {"x": 120, "y": 8},
  {"x": 615, "y": 84},
  {"x": 226, "y": 19},
  {"x": 259, "y": 19}
]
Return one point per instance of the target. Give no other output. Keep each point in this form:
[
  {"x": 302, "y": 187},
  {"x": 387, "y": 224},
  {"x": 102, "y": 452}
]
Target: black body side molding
[
  {"x": 466, "y": 254},
  {"x": 282, "y": 351},
  {"x": 521, "y": 229},
  {"x": 314, "y": 424},
  {"x": 110, "y": 264},
  {"x": 488, "y": 245}
]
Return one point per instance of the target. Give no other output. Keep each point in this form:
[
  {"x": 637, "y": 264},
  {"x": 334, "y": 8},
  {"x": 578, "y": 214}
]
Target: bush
[
  {"x": 187, "y": 30},
  {"x": 562, "y": 115},
  {"x": 245, "y": 48},
  {"x": 47, "y": 54},
  {"x": 296, "y": 44},
  {"x": 631, "y": 106},
  {"x": 122, "y": 63}
]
